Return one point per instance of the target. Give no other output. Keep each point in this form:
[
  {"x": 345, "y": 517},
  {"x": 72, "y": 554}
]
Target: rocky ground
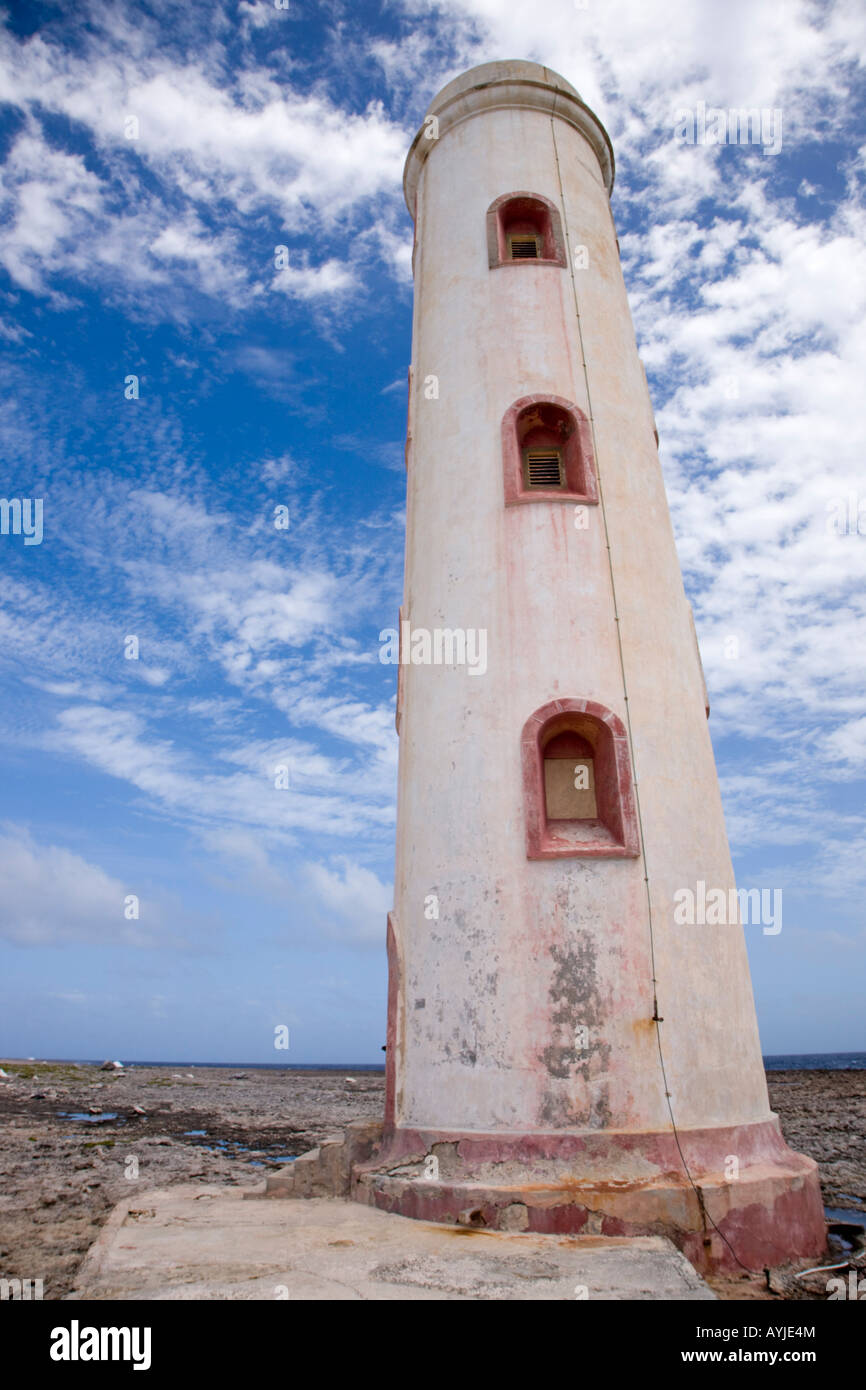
[
  {"x": 61, "y": 1175},
  {"x": 823, "y": 1114}
]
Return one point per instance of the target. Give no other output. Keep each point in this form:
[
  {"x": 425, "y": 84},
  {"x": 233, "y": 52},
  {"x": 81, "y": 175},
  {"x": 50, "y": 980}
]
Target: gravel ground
[{"x": 61, "y": 1175}]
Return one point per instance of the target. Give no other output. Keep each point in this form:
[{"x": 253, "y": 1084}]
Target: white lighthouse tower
[{"x": 563, "y": 1054}]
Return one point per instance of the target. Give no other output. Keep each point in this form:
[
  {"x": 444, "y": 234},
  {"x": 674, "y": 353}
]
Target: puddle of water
[
  {"x": 857, "y": 1218},
  {"x": 88, "y": 1119},
  {"x": 232, "y": 1148}
]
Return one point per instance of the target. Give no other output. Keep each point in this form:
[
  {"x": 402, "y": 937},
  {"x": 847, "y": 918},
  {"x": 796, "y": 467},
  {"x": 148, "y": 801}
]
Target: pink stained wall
[{"x": 525, "y": 952}]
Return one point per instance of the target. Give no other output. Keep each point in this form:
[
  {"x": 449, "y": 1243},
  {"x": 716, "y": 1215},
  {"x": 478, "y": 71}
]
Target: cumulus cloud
[
  {"x": 52, "y": 896},
  {"x": 50, "y": 203}
]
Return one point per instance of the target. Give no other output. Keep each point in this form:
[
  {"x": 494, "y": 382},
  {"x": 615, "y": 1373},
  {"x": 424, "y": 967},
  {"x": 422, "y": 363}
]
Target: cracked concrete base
[
  {"x": 592, "y": 1183},
  {"x": 196, "y": 1242}
]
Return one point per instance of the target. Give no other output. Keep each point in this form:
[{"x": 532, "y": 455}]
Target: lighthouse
[{"x": 565, "y": 1053}]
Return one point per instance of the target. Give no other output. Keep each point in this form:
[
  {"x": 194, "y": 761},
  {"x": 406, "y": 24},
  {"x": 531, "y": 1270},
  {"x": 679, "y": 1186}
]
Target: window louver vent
[
  {"x": 524, "y": 248},
  {"x": 544, "y": 469}
]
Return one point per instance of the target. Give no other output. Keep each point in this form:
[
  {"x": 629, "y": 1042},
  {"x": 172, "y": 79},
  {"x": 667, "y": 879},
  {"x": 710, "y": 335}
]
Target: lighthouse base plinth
[{"x": 746, "y": 1200}]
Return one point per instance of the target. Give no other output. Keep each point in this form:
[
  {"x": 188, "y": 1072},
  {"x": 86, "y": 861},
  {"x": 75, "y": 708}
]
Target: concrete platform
[{"x": 197, "y": 1242}]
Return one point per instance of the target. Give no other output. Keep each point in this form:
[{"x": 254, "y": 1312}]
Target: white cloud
[
  {"x": 332, "y": 796},
  {"x": 189, "y": 163},
  {"x": 846, "y": 746},
  {"x": 352, "y": 898},
  {"x": 310, "y": 282},
  {"x": 50, "y": 203},
  {"x": 256, "y": 608},
  {"x": 261, "y": 13},
  {"x": 52, "y": 896}
]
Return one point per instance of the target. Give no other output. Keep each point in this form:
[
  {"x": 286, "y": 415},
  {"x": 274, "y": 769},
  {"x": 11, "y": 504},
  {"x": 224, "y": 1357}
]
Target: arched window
[
  {"x": 524, "y": 227},
  {"x": 577, "y": 783},
  {"x": 547, "y": 452}
]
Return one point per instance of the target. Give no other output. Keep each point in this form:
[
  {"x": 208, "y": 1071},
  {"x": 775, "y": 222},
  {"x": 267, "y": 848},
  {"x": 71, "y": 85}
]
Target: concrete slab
[{"x": 197, "y": 1242}]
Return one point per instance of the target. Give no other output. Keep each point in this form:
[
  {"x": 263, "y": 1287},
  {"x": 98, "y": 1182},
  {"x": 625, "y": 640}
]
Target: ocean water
[
  {"x": 793, "y": 1061},
  {"x": 237, "y": 1066},
  {"x": 816, "y": 1061}
]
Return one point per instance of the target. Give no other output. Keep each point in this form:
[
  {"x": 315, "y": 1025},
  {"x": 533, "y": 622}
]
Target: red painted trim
[
  {"x": 772, "y": 1213},
  {"x": 552, "y": 232},
  {"x": 394, "y": 983},
  {"x": 613, "y": 782},
  {"x": 767, "y": 1218},
  {"x": 582, "y": 485},
  {"x": 704, "y": 1148}
]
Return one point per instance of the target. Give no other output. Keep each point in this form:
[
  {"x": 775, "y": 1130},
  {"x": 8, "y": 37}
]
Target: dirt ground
[{"x": 60, "y": 1176}]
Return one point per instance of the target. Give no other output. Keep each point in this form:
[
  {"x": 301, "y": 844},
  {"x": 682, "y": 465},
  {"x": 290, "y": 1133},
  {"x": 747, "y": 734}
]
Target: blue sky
[{"x": 146, "y": 248}]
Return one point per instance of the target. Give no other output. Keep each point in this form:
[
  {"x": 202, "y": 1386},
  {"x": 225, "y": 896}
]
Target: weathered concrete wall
[{"x": 525, "y": 952}]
